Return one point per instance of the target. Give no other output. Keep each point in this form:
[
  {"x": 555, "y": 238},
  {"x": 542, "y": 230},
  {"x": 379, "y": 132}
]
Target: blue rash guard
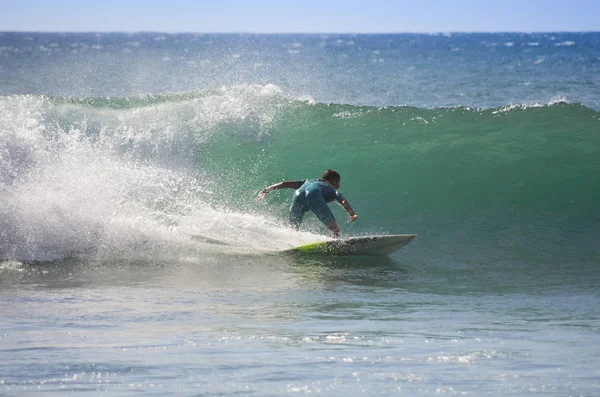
[{"x": 313, "y": 195}]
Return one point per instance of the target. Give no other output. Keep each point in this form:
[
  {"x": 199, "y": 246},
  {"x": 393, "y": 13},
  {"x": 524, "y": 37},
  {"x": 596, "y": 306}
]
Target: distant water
[{"x": 124, "y": 157}]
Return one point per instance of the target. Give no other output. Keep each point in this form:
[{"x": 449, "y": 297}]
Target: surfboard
[{"x": 363, "y": 245}]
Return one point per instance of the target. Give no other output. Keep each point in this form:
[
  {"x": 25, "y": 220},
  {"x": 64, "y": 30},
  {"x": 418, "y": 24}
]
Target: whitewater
[{"x": 135, "y": 259}]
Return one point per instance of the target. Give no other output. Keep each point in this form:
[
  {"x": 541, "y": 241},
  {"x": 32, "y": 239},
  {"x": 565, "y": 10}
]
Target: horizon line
[{"x": 440, "y": 32}]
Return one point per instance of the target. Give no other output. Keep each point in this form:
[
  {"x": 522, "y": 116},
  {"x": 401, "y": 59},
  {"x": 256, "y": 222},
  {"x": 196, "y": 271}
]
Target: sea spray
[{"x": 83, "y": 177}]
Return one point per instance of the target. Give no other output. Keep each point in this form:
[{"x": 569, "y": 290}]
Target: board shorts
[{"x": 313, "y": 196}]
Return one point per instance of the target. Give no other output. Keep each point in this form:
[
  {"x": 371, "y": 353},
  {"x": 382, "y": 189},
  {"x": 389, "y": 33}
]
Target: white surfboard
[{"x": 363, "y": 245}]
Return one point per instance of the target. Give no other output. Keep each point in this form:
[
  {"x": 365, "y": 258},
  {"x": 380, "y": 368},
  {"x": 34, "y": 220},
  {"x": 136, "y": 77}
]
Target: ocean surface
[{"x": 135, "y": 260}]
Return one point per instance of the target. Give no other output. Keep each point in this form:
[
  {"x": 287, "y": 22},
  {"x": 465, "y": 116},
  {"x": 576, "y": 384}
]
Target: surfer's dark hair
[{"x": 331, "y": 175}]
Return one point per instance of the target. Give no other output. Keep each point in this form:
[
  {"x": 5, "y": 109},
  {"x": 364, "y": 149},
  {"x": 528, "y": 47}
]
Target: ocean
[{"x": 135, "y": 260}]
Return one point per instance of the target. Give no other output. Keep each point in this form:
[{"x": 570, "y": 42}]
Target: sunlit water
[{"x": 273, "y": 326}]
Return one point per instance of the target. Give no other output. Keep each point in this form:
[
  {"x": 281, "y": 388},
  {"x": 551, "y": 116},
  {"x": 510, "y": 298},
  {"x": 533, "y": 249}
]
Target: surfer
[{"x": 313, "y": 195}]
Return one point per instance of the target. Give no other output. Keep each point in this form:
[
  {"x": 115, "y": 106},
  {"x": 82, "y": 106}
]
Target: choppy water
[{"x": 117, "y": 149}]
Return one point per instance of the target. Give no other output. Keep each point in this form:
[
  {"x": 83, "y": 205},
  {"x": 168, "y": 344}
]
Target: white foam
[
  {"x": 83, "y": 180},
  {"x": 508, "y": 108},
  {"x": 565, "y": 44}
]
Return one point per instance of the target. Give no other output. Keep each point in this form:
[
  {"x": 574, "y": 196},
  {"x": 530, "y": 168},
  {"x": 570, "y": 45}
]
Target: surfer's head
[{"x": 332, "y": 177}]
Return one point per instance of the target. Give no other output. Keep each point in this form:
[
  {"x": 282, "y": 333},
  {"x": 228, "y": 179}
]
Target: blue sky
[{"x": 308, "y": 16}]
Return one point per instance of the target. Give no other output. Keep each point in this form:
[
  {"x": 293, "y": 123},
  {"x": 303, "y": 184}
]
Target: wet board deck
[{"x": 363, "y": 245}]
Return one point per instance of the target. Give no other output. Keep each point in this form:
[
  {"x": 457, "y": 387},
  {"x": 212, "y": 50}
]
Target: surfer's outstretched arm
[
  {"x": 344, "y": 203},
  {"x": 277, "y": 186}
]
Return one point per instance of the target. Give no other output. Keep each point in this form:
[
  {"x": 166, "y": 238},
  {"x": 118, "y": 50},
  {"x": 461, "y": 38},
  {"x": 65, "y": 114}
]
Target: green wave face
[{"x": 499, "y": 179}]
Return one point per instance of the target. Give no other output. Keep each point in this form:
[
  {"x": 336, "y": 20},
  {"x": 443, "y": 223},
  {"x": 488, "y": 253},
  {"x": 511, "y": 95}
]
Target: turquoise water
[{"x": 123, "y": 155}]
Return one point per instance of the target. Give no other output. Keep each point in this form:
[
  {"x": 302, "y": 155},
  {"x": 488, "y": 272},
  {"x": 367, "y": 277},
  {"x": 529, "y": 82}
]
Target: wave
[{"x": 110, "y": 175}]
